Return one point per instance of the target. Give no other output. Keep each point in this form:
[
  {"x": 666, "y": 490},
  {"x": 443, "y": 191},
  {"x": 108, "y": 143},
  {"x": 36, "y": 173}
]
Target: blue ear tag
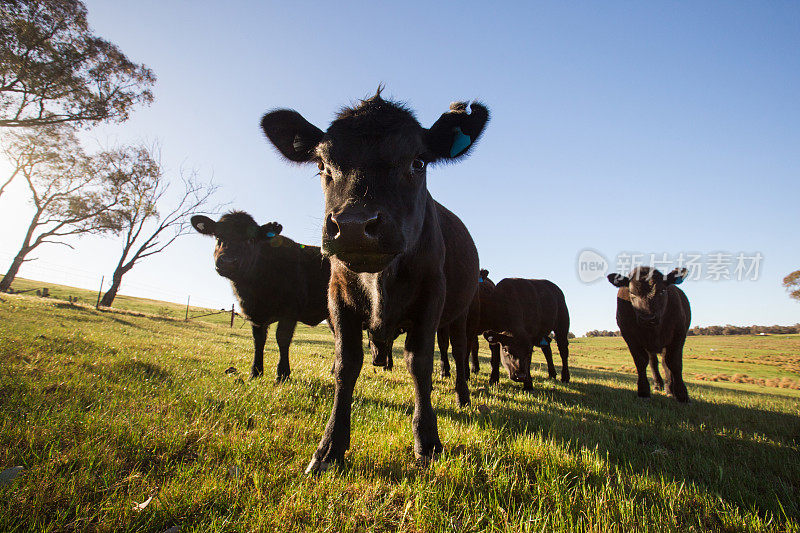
[
  {"x": 678, "y": 281},
  {"x": 543, "y": 342},
  {"x": 480, "y": 280},
  {"x": 461, "y": 142},
  {"x": 270, "y": 234}
]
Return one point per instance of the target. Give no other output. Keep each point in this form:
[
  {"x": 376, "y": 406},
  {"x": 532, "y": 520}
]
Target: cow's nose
[{"x": 353, "y": 229}]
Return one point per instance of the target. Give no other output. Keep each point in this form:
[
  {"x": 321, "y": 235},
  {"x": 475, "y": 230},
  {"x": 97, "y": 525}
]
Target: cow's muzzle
[{"x": 354, "y": 237}]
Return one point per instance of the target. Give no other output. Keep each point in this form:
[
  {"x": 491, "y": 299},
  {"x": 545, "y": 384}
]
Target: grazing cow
[
  {"x": 653, "y": 316},
  {"x": 474, "y": 329},
  {"x": 399, "y": 259},
  {"x": 520, "y": 314},
  {"x": 274, "y": 278}
]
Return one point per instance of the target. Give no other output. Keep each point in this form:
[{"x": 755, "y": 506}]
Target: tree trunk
[
  {"x": 12, "y": 272},
  {"x": 111, "y": 293}
]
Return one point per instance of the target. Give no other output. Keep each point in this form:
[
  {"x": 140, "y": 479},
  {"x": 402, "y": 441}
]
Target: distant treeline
[{"x": 716, "y": 330}]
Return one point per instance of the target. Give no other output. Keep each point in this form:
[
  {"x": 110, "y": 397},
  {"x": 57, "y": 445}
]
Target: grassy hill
[
  {"x": 106, "y": 409},
  {"x": 127, "y": 303}
]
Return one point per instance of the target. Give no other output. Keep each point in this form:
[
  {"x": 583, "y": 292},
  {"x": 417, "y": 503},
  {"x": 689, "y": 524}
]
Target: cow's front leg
[
  {"x": 641, "y": 359},
  {"x": 673, "y": 364},
  {"x": 494, "y": 376},
  {"x": 419, "y": 360},
  {"x": 283, "y": 336},
  {"x": 349, "y": 358},
  {"x": 259, "y": 340},
  {"x": 548, "y": 356},
  {"x": 657, "y": 379}
]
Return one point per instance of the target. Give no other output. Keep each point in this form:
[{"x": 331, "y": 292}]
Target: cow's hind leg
[
  {"x": 443, "y": 339},
  {"x": 458, "y": 339},
  {"x": 349, "y": 359},
  {"x": 473, "y": 350},
  {"x": 659, "y": 381},
  {"x": 562, "y": 341},
  {"x": 283, "y": 335},
  {"x": 259, "y": 340}
]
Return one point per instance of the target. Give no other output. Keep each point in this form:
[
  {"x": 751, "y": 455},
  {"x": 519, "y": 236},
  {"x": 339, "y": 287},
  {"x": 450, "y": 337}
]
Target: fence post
[
  {"x": 232, "y": 315},
  {"x": 187, "y": 308},
  {"x": 100, "y": 290}
]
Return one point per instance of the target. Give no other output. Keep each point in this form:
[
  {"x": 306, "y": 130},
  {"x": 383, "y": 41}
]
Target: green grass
[
  {"x": 133, "y": 304},
  {"x": 105, "y": 409}
]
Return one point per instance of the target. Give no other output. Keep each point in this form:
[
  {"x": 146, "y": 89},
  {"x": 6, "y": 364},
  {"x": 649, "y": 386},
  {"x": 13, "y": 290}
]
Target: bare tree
[
  {"x": 71, "y": 194},
  {"x": 147, "y": 222},
  {"x": 53, "y": 69}
]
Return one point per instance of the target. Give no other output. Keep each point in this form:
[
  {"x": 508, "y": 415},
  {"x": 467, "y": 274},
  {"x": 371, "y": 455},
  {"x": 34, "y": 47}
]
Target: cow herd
[{"x": 393, "y": 260}]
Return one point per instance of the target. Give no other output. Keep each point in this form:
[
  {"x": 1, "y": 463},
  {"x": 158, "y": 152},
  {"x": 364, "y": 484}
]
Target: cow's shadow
[{"x": 722, "y": 448}]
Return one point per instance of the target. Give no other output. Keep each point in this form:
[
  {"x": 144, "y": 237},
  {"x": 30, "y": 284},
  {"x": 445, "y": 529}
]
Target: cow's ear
[
  {"x": 484, "y": 274},
  {"x": 204, "y": 225},
  {"x": 270, "y": 229},
  {"x": 493, "y": 337},
  {"x": 292, "y": 135},
  {"x": 618, "y": 280},
  {"x": 676, "y": 277},
  {"x": 456, "y": 131}
]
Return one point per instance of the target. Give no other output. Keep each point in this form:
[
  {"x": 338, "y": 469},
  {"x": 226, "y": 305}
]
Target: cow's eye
[
  {"x": 321, "y": 166},
  {"x": 417, "y": 165}
]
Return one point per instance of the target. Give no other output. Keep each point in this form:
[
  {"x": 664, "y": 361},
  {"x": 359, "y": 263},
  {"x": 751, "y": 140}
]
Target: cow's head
[
  {"x": 647, "y": 288},
  {"x": 372, "y": 162},
  {"x": 238, "y": 241},
  {"x": 515, "y": 353}
]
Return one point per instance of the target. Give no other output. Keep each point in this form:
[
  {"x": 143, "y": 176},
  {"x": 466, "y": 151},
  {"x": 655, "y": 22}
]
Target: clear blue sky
[{"x": 638, "y": 127}]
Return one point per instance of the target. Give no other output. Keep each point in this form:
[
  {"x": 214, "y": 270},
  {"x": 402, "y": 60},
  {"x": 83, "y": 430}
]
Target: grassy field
[{"x": 107, "y": 410}]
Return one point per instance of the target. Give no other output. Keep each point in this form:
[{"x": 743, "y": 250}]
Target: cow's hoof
[
  {"x": 564, "y": 379},
  {"x": 317, "y": 467},
  {"x": 643, "y": 398},
  {"x": 554, "y": 377},
  {"x": 255, "y": 375},
  {"x": 426, "y": 457},
  {"x": 282, "y": 378},
  {"x": 387, "y": 369},
  {"x": 658, "y": 387},
  {"x": 528, "y": 387}
]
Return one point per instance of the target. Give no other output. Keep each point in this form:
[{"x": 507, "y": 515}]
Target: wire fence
[{"x": 86, "y": 280}]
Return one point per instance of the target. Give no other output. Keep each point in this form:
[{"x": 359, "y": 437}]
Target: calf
[
  {"x": 653, "y": 316},
  {"x": 520, "y": 314},
  {"x": 399, "y": 259},
  {"x": 274, "y": 278}
]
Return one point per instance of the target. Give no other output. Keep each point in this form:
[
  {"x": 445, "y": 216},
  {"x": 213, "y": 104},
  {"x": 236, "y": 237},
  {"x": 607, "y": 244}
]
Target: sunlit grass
[{"x": 106, "y": 409}]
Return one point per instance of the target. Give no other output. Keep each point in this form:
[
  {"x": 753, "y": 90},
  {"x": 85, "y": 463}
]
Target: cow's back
[
  {"x": 552, "y": 304},
  {"x": 290, "y": 281}
]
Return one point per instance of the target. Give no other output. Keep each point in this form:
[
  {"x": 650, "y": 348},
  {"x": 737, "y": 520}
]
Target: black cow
[
  {"x": 653, "y": 316},
  {"x": 274, "y": 278},
  {"x": 520, "y": 314},
  {"x": 399, "y": 259}
]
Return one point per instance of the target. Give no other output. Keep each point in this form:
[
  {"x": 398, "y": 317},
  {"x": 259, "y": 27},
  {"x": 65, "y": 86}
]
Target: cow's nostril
[
  {"x": 331, "y": 227},
  {"x": 371, "y": 226}
]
